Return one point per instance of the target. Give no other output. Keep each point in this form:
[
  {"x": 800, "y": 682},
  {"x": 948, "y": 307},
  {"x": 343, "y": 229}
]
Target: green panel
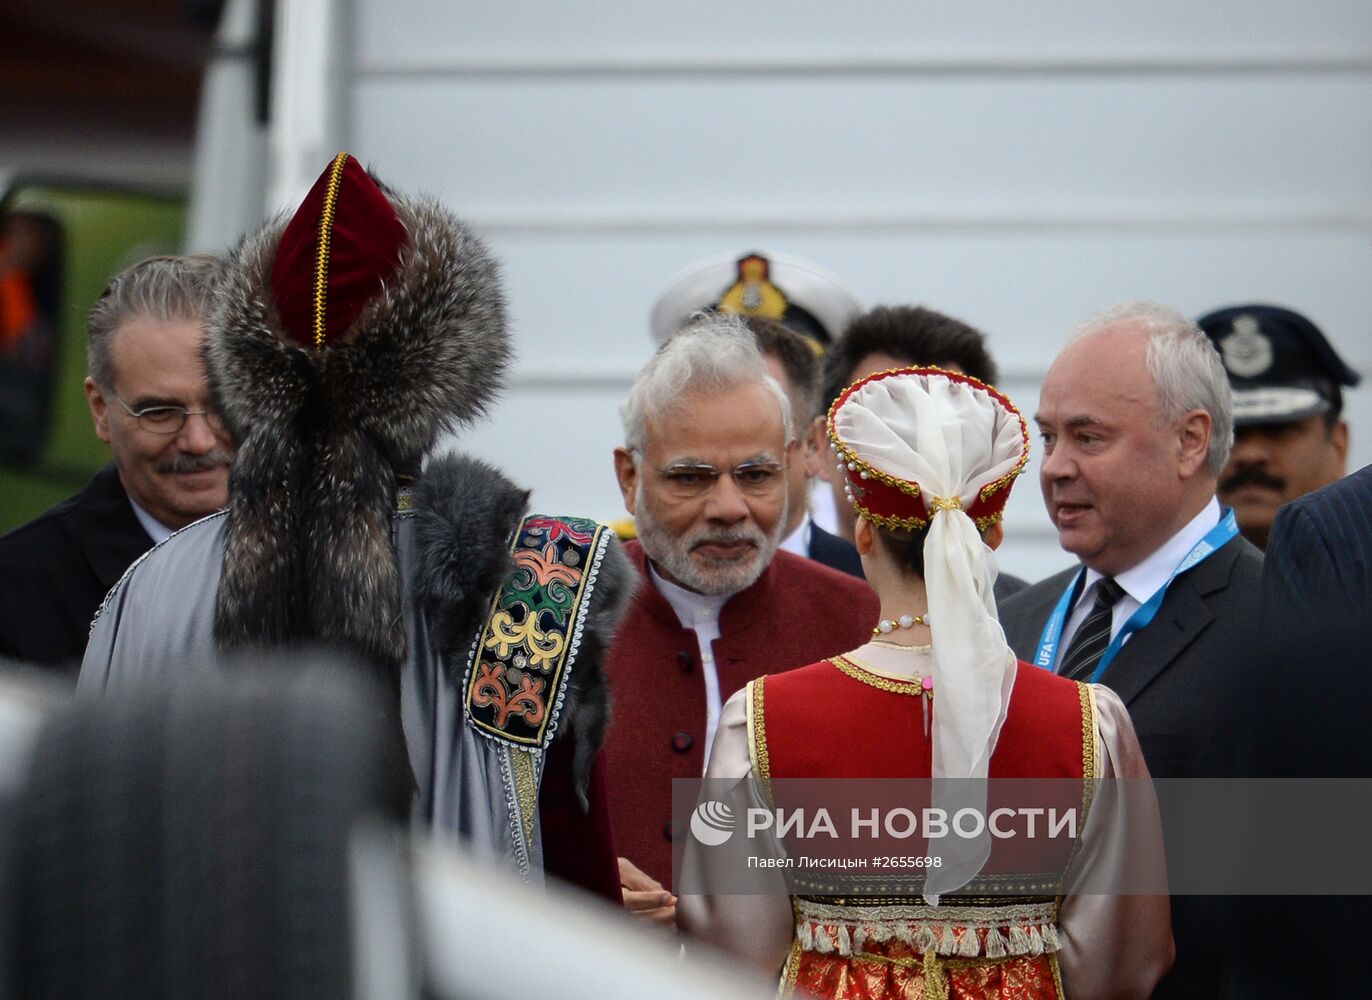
[
  {"x": 105, "y": 230},
  {"x": 27, "y": 494}
]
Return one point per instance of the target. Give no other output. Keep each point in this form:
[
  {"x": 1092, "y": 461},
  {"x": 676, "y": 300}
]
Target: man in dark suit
[
  {"x": 1316, "y": 592},
  {"x": 1136, "y": 421},
  {"x": 150, "y": 402},
  {"x": 706, "y": 446},
  {"x": 1324, "y": 541}
]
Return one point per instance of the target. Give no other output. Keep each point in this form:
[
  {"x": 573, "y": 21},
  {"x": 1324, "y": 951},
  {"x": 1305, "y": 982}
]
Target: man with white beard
[{"x": 707, "y": 440}]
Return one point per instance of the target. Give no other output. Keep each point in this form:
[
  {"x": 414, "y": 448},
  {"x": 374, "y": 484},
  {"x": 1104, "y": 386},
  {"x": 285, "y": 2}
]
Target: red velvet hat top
[
  {"x": 897, "y": 501},
  {"x": 339, "y": 249}
]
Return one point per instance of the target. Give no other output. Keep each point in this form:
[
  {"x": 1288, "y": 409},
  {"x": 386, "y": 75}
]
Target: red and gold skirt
[{"x": 923, "y": 953}]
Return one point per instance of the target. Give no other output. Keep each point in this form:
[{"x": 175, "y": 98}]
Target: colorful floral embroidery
[
  {"x": 531, "y": 633},
  {"x": 490, "y": 689}
]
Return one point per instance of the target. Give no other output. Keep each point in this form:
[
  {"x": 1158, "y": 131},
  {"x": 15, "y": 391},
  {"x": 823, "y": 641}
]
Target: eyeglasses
[
  {"x": 690, "y": 480},
  {"x": 169, "y": 419}
]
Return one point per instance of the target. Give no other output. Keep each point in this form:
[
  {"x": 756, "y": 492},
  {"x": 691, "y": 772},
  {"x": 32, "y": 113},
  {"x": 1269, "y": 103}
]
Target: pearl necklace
[{"x": 889, "y": 625}]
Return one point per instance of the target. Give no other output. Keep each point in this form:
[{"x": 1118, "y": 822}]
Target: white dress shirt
[
  {"x": 1142, "y": 581},
  {"x": 798, "y": 541},
  {"x": 822, "y": 509},
  {"x": 700, "y": 614},
  {"x": 156, "y": 530}
]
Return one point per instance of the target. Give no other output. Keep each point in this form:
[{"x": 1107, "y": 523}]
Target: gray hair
[
  {"x": 158, "y": 288},
  {"x": 1185, "y": 367},
  {"x": 712, "y": 352}
]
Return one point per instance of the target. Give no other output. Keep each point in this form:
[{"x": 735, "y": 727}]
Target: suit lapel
[
  {"x": 1028, "y": 612},
  {"x": 1184, "y": 614},
  {"x": 109, "y": 531}
]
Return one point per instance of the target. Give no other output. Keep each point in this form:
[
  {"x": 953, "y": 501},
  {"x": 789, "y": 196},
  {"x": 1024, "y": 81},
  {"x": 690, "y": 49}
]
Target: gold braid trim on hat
[
  {"x": 891, "y": 521},
  {"x": 851, "y": 457},
  {"x": 321, "y": 267},
  {"x": 995, "y": 486},
  {"x": 934, "y": 504}
]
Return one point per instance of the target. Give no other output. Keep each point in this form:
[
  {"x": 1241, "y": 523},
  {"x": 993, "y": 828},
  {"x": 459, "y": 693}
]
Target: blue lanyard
[{"x": 1047, "y": 656}]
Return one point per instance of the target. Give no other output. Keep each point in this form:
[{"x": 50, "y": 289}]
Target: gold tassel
[{"x": 935, "y": 986}]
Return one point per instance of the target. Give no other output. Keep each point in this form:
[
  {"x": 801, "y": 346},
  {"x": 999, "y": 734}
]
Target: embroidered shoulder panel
[{"x": 523, "y": 658}]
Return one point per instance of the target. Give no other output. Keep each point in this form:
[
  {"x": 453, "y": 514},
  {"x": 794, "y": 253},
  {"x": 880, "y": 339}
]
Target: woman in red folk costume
[{"x": 930, "y": 457}]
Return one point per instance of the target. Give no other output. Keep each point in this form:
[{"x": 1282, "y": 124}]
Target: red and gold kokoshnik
[{"x": 900, "y": 504}]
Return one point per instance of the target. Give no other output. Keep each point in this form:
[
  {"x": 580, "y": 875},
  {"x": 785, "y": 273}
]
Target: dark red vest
[
  {"x": 823, "y": 721},
  {"x": 797, "y": 612}
]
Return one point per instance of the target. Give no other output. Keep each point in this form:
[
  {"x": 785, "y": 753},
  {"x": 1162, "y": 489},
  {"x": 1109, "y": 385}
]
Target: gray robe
[{"x": 158, "y": 623}]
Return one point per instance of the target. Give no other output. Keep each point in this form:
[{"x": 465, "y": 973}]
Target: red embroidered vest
[
  {"x": 834, "y": 719},
  {"x": 823, "y": 722}
]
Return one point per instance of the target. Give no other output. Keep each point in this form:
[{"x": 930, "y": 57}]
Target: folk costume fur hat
[{"x": 346, "y": 339}]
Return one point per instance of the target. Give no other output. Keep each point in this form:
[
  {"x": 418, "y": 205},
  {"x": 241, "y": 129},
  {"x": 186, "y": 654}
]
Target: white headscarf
[{"x": 951, "y": 438}]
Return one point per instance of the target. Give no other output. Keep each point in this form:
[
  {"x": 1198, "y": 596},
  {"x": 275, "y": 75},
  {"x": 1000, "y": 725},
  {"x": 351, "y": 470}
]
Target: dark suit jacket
[
  {"x": 1316, "y": 592},
  {"x": 1179, "y": 678},
  {"x": 1317, "y": 609},
  {"x": 55, "y": 571},
  {"x": 1005, "y": 586},
  {"x": 1172, "y": 675},
  {"x": 834, "y": 552},
  {"x": 839, "y": 553},
  {"x": 1324, "y": 541},
  {"x": 796, "y": 613}
]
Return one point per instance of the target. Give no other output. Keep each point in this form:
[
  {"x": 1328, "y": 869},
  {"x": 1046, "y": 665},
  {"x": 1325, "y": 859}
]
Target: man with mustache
[
  {"x": 150, "y": 402},
  {"x": 1289, "y": 438},
  {"x": 708, "y": 438}
]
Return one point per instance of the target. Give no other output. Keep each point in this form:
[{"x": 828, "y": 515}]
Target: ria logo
[{"x": 712, "y": 823}]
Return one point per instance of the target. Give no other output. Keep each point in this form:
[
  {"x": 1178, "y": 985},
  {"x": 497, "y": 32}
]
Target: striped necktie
[{"x": 1093, "y": 637}]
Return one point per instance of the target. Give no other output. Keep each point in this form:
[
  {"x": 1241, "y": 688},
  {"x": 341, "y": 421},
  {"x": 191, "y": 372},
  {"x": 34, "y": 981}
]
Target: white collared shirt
[
  {"x": 822, "y": 510},
  {"x": 1142, "y": 581},
  {"x": 156, "y": 530},
  {"x": 700, "y": 614},
  {"x": 798, "y": 541}
]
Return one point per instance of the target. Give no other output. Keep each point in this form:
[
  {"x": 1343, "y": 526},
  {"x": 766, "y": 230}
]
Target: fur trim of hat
[{"x": 325, "y": 435}]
